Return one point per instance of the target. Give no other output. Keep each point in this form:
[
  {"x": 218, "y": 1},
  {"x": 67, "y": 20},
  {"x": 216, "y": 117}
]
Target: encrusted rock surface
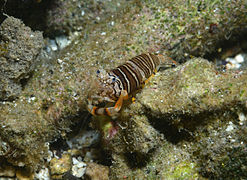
[
  {"x": 19, "y": 48},
  {"x": 200, "y": 114},
  {"x": 178, "y": 119},
  {"x": 59, "y": 166},
  {"x": 97, "y": 172}
]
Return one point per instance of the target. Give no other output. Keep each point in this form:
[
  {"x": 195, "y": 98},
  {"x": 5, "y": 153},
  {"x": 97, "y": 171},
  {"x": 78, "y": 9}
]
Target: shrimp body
[{"x": 116, "y": 85}]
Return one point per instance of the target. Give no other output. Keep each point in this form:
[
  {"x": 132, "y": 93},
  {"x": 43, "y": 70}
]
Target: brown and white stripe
[{"x": 135, "y": 71}]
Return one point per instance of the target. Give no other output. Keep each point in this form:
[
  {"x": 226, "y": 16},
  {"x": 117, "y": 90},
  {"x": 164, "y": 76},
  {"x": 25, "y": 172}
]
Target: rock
[
  {"x": 134, "y": 134},
  {"x": 24, "y": 174},
  {"x": 200, "y": 113},
  {"x": 97, "y": 172},
  {"x": 7, "y": 171},
  {"x": 42, "y": 174},
  {"x": 58, "y": 167},
  {"x": 19, "y": 47},
  {"x": 68, "y": 16},
  {"x": 60, "y": 87},
  {"x": 192, "y": 88},
  {"x": 78, "y": 168},
  {"x": 4, "y": 148},
  {"x": 84, "y": 139}
]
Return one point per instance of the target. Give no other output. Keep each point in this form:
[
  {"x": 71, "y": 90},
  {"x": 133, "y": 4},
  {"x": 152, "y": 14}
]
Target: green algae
[
  {"x": 185, "y": 28},
  {"x": 183, "y": 170}
]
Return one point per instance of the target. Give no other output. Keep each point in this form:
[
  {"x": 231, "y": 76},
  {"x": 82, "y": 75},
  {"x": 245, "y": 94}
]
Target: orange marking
[
  {"x": 93, "y": 110},
  {"x": 119, "y": 103},
  {"x": 123, "y": 96},
  {"x": 146, "y": 81},
  {"x": 107, "y": 112}
]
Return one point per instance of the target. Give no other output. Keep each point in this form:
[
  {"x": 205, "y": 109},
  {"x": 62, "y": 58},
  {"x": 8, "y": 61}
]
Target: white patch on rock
[
  {"x": 230, "y": 127},
  {"x": 62, "y": 41},
  {"x": 78, "y": 168},
  {"x": 43, "y": 174},
  {"x": 239, "y": 58}
]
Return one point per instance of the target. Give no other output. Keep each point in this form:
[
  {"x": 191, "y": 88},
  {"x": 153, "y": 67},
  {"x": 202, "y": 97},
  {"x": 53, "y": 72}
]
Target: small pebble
[
  {"x": 229, "y": 127},
  {"x": 78, "y": 168},
  {"x": 62, "y": 41},
  {"x": 60, "y": 166},
  {"x": 59, "y": 61},
  {"x": 82, "y": 13},
  {"x": 241, "y": 116},
  {"x": 53, "y": 45},
  {"x": 43, "y": 174},
  {"x": 239, "y": 58}
]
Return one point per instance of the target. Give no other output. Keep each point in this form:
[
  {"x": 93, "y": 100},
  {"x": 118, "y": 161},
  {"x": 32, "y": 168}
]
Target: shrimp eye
[
  {"x": 114, "y": 79},
  {"x": 98, "y": 71}
]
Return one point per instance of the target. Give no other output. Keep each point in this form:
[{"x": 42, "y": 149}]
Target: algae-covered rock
[
  {"x": 7, "y": 171},
  {"x": 190, "y": 28},
  {"x": 198, "y": 109},
  {"x": 68, "y": 16},
  {"x": 219, "y": 148},
  {"x": 55, "y": 97},
  {"x": 32, "y": 13},
  {"x": 194, "y": 87},
  {"x": 24, "y": 174},
  {"x": 58, "y": 167},
  {"x": 19, "y": 47},
  {"x": 97, "y": 172},
  {"x": 59, "y": 17}
]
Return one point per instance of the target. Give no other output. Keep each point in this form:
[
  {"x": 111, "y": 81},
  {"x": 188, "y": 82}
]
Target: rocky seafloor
[{"x": 188, "y": 122}]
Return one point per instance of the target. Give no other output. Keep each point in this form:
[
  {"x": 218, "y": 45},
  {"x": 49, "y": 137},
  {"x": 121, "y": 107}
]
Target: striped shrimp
[{"x": 116, "y": 85}]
